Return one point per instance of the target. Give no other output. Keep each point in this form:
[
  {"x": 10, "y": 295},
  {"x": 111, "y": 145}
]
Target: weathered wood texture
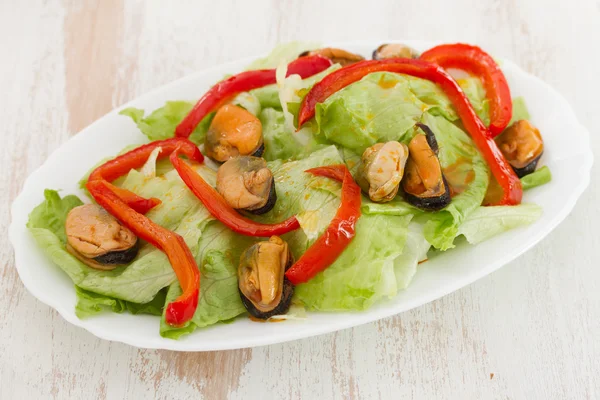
[{"x": 528, "y": 331}]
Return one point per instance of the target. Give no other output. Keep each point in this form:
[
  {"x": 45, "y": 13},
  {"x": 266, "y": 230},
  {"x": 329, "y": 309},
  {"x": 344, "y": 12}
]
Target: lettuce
[
  {"x": 520, "y": 110},
  {"x": 364, "y": 273},
  {"x": 280, "y": 141},
  {"x": 537, "y": 178},
  {"x": 380, "y": 107},
  {"x": 90, "y": 303},
  {"x": 486, "y": 222},
  {"x": 161, "y": 123}
]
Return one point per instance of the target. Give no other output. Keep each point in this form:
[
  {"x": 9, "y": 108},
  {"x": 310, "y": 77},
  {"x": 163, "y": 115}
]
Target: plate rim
[{"x": 586, "y": 157}]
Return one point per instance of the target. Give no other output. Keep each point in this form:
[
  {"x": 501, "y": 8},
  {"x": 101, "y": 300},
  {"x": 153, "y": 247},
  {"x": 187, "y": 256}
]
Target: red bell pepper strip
[
  {"x": 477, "y": 62},
  {"x": 183, "y": 308},
  {"x": 501, "y": 170},
  {"x": 221, "y": 210},
  {"x": 136, "y": 158},
  {"x": 338, "y": 235},
  {"x": 225, "y": 90}
]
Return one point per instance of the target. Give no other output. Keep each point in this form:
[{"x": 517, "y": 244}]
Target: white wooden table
[{"x": 528, "y": 331}]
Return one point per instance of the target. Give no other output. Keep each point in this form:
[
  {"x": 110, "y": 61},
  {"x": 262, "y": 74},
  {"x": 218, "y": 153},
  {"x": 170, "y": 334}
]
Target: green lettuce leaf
[
  {"x": 486, "y": 222},
  {"x": 520, "y": 110},
  {"x": 90, "y": 303},
  {"x": 364, "y": 273},
  {"x": 281, "y": 143},
  {"x": 51, "y": 214},
  {"x": 475, "y": 91},
  {"x": 380, "y": 107},
  {"x": 161, "y": 123},
  {"x": 537, "y": 178}
]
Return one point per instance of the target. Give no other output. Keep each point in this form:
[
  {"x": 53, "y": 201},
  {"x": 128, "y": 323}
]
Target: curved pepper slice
[
  {"x": 221, "y": 210},
  {"x": 501, "y": 169},
  {"x": 183, "y": 308},
  {"x": 475, "y": 61},
  {"x": 136, "y": 158},
  {"x": 338, "y": 235},
  {"x": 223, "y": 91}
]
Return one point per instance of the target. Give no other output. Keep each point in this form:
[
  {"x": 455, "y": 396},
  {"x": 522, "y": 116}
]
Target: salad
[{"x": 314, "y": 180}]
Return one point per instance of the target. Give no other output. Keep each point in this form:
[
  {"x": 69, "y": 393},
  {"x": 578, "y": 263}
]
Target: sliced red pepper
[
  {"x": 477, "y": 62},
  {"x": 338, "y": 235},
  {"x": 183, "y": 308},
  {"x": 136, "y": 158},
  {"x": 225, "y": 90},
  {"x": 501, "y": 169},
  {"x": 221, "y": 210}
]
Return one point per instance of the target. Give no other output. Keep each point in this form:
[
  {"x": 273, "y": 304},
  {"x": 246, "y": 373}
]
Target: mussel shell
[
  {"x": 434, "y": 203},
  {"x": 375, "y": 54},
  {"x": 282, "y": 308},
  {"x": 270, "y": 202},
  {"x": 529, "y": 168},
  {"x": 284, "y": 303},
  {"x": 259, "y": 151},
  {"x": 431, "y": 203},
  {"x": 430, "y": 136},
  {"x": 119, "y": 257}
]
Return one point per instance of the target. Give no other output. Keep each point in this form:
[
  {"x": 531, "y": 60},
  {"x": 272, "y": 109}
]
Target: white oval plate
[{"x": 567, "y": 154}]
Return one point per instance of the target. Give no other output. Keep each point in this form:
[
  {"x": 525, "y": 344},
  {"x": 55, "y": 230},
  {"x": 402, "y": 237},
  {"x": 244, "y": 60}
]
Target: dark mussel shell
[
  {"x": 431, "y": 203},
  {"x": 270, "y": 202},
  {"x": 119, "y": 257},
  {"x": 529, "y": 168},
  {"x": 259, "y": 151},
  {"x": 510, "y": 142}
]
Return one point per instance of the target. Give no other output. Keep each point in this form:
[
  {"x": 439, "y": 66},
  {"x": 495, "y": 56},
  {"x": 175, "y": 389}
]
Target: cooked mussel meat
[
  {"x": 424, "y": 183},
  {"x": 98, "y": 239},
  {"x": 337, "y": 56},
  {"x": 246, "y": 183},
  {"x": 233, "y": 132},
  {"x": 381, "y": 170},
  {"x": 522, "y": 145},
  {"x": 394, "y": 50},
  {"x": 264, "y": 289}
]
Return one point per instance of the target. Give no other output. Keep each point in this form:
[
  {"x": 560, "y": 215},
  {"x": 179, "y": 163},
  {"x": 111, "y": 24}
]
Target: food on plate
[
  {"x": 425, "y": 185},
  {"x": 381, "y": 170},
  {"x": 394, "y": 50},
  {"x": 337, "y": 56},
  {"x": 328, "y": 179},
  {"x": 233, "y": 132},
  {"x": 264, "y": 289},
  {"x": 246, "y": 183},
  {"x": 98, "y": 239},
  {"x": 522, "y": 145}
]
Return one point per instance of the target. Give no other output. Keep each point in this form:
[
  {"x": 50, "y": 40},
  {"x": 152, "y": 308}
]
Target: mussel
[
  {"x": 522, "y": 145},
  {"x": 381, "y": 170},
  {"x": 424, "y": 183},
  {"x": 246, "y": 183},
  {"x": 337, "y": 56},
  {"x": 233, "y": 132},
  {"x": 394, "y": 50},
  {"x": 264, "y": 289},
  {"x": 98, "y": 239}
]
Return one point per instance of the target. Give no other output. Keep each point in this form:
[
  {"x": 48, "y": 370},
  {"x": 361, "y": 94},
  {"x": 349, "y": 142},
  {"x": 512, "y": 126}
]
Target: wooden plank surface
[{"x": 528, "y": 331}]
